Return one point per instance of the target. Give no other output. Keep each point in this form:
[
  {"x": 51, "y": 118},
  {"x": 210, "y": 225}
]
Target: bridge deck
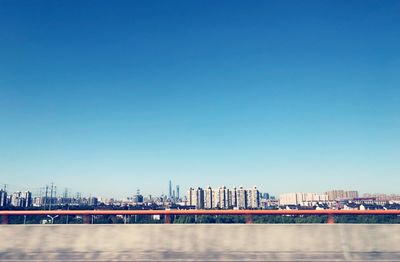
[{"x": 200, "y": 242}]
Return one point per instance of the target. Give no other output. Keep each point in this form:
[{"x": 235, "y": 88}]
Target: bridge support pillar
[
  {"x": 331, "y": 219},
  {"x": 86, "y": 219},
  {"x": 4, "y": 219},
  {"x": 249, "y": 219},
  {"x": 167, "y": 219}
]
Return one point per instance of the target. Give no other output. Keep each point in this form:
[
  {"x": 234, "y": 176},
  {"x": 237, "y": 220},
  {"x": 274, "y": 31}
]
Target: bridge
[
  {"x": 200, "y": 242},
  {"x": 167, "y": 214}
]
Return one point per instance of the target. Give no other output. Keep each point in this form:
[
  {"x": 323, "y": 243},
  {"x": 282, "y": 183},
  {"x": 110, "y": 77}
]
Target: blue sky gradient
[{"x": 105, "y": 97}]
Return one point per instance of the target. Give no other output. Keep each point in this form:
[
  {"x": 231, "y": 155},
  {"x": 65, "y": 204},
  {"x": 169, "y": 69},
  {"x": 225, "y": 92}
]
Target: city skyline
[
  {"x": 107, "y": 98},
  {"x": 61, "y": 191},
  {"x": 208, "y": 198}
]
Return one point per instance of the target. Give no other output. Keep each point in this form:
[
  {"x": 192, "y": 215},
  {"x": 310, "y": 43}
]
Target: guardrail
[{"x": 86, "y": 214}]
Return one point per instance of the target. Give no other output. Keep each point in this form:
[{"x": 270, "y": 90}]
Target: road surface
[{"x": 200, "y": 242}]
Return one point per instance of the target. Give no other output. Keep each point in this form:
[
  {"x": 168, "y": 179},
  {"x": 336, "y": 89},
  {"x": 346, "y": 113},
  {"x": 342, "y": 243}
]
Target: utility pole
[
  {"x": 51, "y": 195},
  {"x": 67, "y": 215},
  {"x": 40, "y": 195},
  {"x": 55, "y": 194},
  {"x": 45, "y": 198}
]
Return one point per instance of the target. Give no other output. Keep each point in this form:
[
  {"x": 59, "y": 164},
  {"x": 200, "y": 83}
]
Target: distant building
[
  {"x": 209, "y": 198},
  {"x": 351, "y": 206},
  {"x": 253, "y": 198},
  {"x": 195, "y": 197},
  {"x": 383, "y": 197},
  {"x": 341, "y": 194},
  {"x": 3, "y": 198},
  {"x": 269, "y": 203},
  {"x": 191, "y": 197},
  {"x": 177, "y": 192},
  {"x": 27, "y": 201},
  {"x": 234, "y": 199},
  {"x": 265, "y": 196},
  {"x": 93, "y": 201},
  {"x": 200, "y": 198},
  {"x": 223, "y": 198},
  {"x": 241, "y": 198},
  {"x": 17, "y": 199},
  {"x": 302, "y": 199},
  {"x": 170, "y": 189},
  {"x": 371, "y": 207},
  {"x": 137, "y": 198}
]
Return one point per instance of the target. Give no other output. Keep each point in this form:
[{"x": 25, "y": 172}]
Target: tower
[
  {"x": 170, "y": 189},
  {"x": 177, "y": 192}
]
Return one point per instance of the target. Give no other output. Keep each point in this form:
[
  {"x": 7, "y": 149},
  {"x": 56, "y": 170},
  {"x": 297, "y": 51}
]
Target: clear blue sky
[{"x": 105, "y": 97}]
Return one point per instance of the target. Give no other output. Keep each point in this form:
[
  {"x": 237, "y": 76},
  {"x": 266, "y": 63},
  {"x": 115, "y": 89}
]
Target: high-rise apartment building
[
  {"x": 17, "y": 199},
  {"x": 199, "y": 198},
  {"x": 241, "y": 198},
  {"x": 27, "y": 199},
  {"x": 191, "y": 197},
  {"x": 223, "y": 198},
  {"x": 209, "y": 198},
  {"x": 3, "y": 198},
  {"x": 233, "y": 198},
  {"x": 351, "y": 194},
  {"x": 253, "y": 198},
  {"x": 196, "y": 197},
  {"x": 302, "y": 199},
  {"x": 341, "y": 194}
]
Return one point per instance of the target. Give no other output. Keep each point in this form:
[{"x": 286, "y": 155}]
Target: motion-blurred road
[{"x": 200, "y": 242}]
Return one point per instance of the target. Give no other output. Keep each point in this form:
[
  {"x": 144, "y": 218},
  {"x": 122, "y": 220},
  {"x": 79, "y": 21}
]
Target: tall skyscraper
[
  {"x": 177, "y": 192},
  {"x": 170, "y": 189}
]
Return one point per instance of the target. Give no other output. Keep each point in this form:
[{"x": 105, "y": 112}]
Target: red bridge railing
[{"x": 86, "y": 214}]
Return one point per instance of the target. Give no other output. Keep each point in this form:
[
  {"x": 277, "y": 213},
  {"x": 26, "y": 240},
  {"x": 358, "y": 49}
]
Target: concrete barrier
[{"x": 200, "y": 242}]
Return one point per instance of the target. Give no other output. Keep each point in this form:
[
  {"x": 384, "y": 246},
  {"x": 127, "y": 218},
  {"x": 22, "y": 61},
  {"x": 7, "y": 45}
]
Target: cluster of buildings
[
  {"x": 339, "y": 199},
  {"x": 173, "y": 194},
  {"x": 26, "y": 200},
  {"x": 223, "y": 198},
  {"x": 210, "y": 198},
  {"x": 16, "y": 199},
  {"x": 312, "y": 199}
]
